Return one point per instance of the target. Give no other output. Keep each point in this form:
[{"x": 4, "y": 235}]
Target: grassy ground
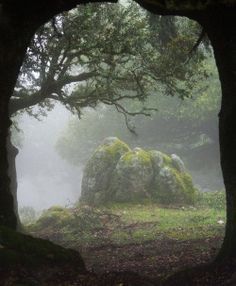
[
  {"x": 121, "y": 244},
  {"x": 148, "y": 222},
  {"x": 148, "y": 238},
  {"x": 128, "y": 223}
]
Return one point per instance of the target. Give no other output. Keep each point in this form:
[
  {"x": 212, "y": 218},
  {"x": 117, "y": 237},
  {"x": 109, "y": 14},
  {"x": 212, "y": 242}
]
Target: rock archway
[{"x": 20, "y": 19}]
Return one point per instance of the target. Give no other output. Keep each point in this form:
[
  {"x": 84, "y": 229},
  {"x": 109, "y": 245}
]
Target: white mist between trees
[{"x": 44, "y": 179}]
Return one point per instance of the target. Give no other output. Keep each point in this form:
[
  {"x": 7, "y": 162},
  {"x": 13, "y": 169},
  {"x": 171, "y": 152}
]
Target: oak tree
[{"x": 20, "y": 19}]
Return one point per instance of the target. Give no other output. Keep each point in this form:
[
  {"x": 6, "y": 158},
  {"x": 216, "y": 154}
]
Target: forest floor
[
  {"x": 146, "y": 264},
  {"x": 132, "y": 245},
  {"x": 155, "y": 259}
]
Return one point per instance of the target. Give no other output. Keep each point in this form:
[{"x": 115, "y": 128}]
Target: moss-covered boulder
[
  {"x": 132, "y": 176},
  {"x": 172, "y": 184},
  {"x": 115, "y": 173},
  {"x": 99, "y": 169},
  {"x": 173, "y": 187},
  {"x": 56, "y": 216}
]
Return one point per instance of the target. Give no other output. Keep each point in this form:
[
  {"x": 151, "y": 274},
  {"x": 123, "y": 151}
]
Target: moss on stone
[
  {"x": 139, "y": 154},
  {"x": 167, "y": 160},
  {"x": 160, "y": 159},
  {"x": 132, "y": 176},
  {"x": 117, "y": 147},
  {"x": 174, "y": 187},
  {"x": 99, "y": 169},
  {"x": 117, "y": 174},
  {"x": 55, "y": 215},
  {"x": 189, "y": 189}
]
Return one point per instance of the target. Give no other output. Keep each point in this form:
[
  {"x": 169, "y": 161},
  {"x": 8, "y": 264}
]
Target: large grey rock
[
  {"x": 115, "y": 173},
  {"x": 178, "y": 163},
  {"x": 98, "y": 171},
  {"x": 132, "y": 176}
]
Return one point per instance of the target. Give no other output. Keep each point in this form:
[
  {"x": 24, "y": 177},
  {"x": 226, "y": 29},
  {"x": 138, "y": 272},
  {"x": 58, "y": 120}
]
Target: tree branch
[
  {"x": 67, "y": 79},
  {"x": 25, "y": 102}
]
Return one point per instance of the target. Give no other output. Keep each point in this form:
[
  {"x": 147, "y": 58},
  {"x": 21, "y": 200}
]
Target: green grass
[
  {"x": 133, "y": 223},
  {"x": 149, "y": 222}
]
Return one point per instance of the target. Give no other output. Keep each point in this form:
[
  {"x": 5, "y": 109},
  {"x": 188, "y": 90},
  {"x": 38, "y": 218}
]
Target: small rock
[{"x": 220, "y": 221}]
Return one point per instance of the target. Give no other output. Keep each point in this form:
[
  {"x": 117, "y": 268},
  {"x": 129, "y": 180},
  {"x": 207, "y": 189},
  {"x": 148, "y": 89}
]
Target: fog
[{"x": 44, "y": 179}]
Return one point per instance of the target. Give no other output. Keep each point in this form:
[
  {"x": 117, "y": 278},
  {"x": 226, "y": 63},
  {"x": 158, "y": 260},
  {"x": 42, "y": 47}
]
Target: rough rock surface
[
  {"x": 115, "y": 173},
  {"x": 99, "y": 169},
  {"x": 132, "y": 176}
]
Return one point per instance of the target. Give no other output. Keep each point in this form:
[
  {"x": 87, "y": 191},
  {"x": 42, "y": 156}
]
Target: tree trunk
[
  {"x": 13, "y": 45},
  {"x": 7, "y": 214},
  {"x": 222, "y": 33},
  {"x": 12, "y": 153}
]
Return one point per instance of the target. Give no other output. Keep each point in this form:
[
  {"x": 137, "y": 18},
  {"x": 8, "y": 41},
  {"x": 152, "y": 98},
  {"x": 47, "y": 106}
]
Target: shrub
[
  {"x": 27, "y": 215},
  {"x": 54, "y": 217},
  {"x": 216, "y": 200}
]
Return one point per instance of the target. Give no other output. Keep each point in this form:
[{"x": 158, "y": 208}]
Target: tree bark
[
  {"x": 220, "y": 27},
  {"x": 7, "y": 214},
  {"x": 12, "y": 152},
  {"x": 13, "y": 45}
]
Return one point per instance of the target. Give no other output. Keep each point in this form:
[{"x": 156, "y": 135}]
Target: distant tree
[
  {"x": 185, "y": 130},
  {"x": 195, "y": 117},
  {"x": 80, "y": 137}
]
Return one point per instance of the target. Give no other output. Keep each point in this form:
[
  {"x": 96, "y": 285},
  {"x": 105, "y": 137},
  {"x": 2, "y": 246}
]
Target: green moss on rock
[
  {"x": 136, "y": 155},
  {"x": 117, "y": 174},
  {"x": 113, "y": 147},
  {"x": 132, "y": 176},
  {"x": 174, "y": 187},
  {"x": 55, "y": 215},
  {"x": 99, "y": 169}
]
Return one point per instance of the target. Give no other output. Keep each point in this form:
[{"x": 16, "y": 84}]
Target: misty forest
[{"x": 117, "y": 143}]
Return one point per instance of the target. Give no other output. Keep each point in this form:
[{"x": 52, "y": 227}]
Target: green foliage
[
  {"x": 83, "y": 219},
  {"x": 27, "y": 215},
  {"x": 81, "y": 223},
  {"x": 81, "y": 137},
  {"x": 215, "y": 200},
  {"x": 179, "y": 126},
  {"x": 157, "y": 54},
  {"x": 107, "y": 53}
]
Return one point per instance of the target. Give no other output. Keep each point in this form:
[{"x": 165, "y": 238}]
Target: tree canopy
[
  {"x": 176, "y": 126},
  {"x": 107, "y": 53}
]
